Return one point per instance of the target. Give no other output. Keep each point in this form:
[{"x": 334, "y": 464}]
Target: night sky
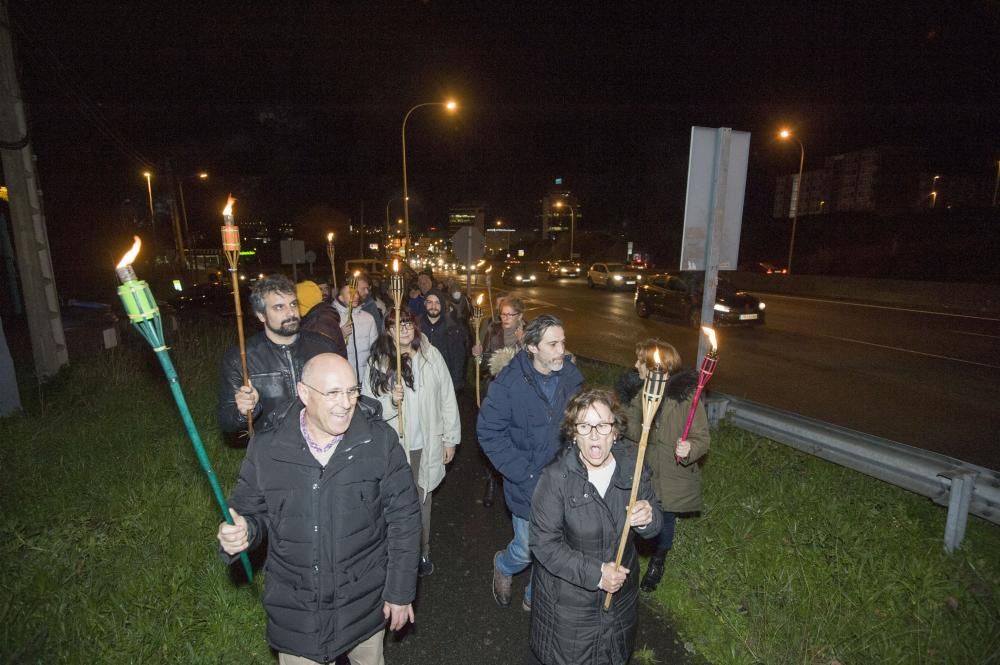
[{"x": 294, "y": 106}]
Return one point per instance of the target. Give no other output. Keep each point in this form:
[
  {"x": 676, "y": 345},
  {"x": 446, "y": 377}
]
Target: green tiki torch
[{"x": 145, "y": 316}]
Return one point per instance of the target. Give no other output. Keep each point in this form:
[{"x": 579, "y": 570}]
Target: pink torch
[{"x": 705, "y": 372}]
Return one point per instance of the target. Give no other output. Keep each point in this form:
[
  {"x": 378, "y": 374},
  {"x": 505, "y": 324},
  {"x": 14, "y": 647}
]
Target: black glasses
[
  {"x": 336, "y": 395},
  {"x": 584, "y": 429}
]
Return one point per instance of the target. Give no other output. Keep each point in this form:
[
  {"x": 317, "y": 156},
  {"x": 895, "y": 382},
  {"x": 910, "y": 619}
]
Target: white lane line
[
  {"x": 889, "y": 307},
  {"x": 919, "y": 353},
  {"x": 964, "y": 332}
]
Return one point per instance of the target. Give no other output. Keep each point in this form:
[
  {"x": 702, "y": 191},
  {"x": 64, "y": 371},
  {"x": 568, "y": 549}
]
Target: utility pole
[{"x": 31, "y": 241}]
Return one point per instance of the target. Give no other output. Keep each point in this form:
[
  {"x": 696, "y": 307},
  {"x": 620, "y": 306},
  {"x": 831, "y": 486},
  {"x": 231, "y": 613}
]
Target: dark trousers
[{"x": 665, "y": 539}]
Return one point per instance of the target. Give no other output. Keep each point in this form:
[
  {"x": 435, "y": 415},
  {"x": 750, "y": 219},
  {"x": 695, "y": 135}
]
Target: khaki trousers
[{"x": 368, "y": 652}]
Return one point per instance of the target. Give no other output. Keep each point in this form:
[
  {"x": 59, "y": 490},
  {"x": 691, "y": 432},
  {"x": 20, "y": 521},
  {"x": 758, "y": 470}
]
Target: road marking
[
  {"x": 964, "y": 332},
  {"x": 890, "y": 307},
  {"x": 919, "y": 353}
]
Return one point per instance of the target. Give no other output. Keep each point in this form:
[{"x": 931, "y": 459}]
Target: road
[{"x": 923, "y": 378}]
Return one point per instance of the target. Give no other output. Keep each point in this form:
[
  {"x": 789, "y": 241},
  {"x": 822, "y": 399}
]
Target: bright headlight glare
[
  {"x": 721, "y": 308},
  {"x": 761, "y": 306},
  {"x": 617, "y": 278}
]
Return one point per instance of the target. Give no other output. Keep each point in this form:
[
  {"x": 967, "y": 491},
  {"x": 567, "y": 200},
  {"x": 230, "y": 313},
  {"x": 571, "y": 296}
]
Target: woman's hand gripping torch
[
  {"x": 231, "y": 248},
  {"x": 476, "y": 319},
  {"x": 705, "y": 372},
  {"x": 145, "y": 316},
  {"x": 652, "y": 394},
  {"x": 396, "y": 291}
]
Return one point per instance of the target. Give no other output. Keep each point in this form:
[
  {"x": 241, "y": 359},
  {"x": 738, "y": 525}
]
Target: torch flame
[
  {"x": 357, "y": 273},
  {"x": 656, "y": 357},
  {"x": 487, "y": 270},
  {"x": 479, "y": 300},
  {"x": 395, "y": 265},
  {"x": 228, "y": 210},
  {"x": 329, "y": 236},
  {"x": 711, "y": 337},
  {"x": 130, "y": 254}
]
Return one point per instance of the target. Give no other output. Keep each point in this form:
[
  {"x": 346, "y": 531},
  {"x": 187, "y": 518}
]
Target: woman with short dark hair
[{"x": 578, "y": 513}]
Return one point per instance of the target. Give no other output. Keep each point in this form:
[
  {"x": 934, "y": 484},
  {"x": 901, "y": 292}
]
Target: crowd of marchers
[{"x": 352, "y": 404}]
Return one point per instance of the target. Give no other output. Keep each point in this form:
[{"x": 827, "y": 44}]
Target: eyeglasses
[
  {"x": 508, "y": 315},
  {"x": 405, "y": 325},
  {"x": 336, "y": 395},
  {"x": 584, "y": 429}
]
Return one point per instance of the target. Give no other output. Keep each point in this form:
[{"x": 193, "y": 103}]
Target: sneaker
[
  {"x": 526, "y": 604},
  {"x": 426, "y": 567},
  {"x": 501, "y": 584}
]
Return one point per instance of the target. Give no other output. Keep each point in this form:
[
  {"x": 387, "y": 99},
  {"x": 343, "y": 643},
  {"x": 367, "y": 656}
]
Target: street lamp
[
  {"x": 572, "y": 224},
  {"x": 786, "y": 134},
  {"x": 180, "y": 188},
  {"x": 451, "y": 106}
]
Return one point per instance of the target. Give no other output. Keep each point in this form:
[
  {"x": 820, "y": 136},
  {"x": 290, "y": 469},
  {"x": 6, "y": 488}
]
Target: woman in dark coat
[{"x": 577, "y": 516}]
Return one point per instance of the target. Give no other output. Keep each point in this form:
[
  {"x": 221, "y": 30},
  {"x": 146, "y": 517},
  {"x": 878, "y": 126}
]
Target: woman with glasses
[
  {"x": 578, "y": 513},
  {"x": 676, "y": 464},
  {"x": 495, "y": 347},
  {"x": 430, "y": 410}
]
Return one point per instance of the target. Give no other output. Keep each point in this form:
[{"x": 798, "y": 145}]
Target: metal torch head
[{"x": 135, "y": 294}]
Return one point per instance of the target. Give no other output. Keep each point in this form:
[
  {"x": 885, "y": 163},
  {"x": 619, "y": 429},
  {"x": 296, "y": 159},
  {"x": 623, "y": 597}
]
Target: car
[
  {"x": 678, "y": 295},
  {"x": 212, "y": 298},
  {"x": 521, "y": 274},
  {"x": 613, "y": 276},
  {"x": 564, "y": 268}
]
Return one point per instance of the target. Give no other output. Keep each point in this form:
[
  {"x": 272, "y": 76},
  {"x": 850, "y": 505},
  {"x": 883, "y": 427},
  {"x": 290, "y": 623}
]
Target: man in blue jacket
[{"x": 518, "y": 429}]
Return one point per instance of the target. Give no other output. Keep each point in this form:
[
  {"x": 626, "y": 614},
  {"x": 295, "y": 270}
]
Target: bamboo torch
[
  {"x": 145, "y": 316},
  {"x": 231, "y": 248},
  {"x": 652, "y": 395},
  {"x": 396, "y": 290},
  {"x": 705, "y": 372},
  {"x": 477, "y": 317},
  {"x": 331, "y": 254},
  {"x": 352, "y": 291}
]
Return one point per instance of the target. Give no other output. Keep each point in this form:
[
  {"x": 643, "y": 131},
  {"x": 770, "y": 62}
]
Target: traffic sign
[{"x": 468, "y": 244}]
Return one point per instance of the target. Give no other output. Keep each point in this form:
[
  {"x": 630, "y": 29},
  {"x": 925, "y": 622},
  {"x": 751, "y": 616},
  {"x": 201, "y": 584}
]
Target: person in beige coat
[
  {"x": 676, "y": 464},
  {"x": 430, "y": 410}
]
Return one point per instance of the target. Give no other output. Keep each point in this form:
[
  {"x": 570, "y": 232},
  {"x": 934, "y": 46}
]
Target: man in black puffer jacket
[
  {"x": 275, "y": 357},
  {"x": 332, "y": 491}
]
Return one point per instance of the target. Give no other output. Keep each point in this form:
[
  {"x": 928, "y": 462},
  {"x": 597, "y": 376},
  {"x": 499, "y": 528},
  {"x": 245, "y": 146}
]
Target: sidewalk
[{"x": 457, "y": 620}]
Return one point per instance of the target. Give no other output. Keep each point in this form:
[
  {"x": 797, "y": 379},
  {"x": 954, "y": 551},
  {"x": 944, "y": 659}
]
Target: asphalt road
[
  {"x": 923, "y": 378},
  {"x": 457, "y": 620}
]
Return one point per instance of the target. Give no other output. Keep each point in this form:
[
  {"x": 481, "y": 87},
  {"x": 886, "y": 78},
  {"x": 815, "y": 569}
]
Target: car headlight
[
  {"x": 617, "y": 278},
  {"x": 531, "y": 277},
  {"x": 638, "y": 278},
  {"x": 563, "y": 270},
  {"x": 761, "y": 306},
  {"x": 720, "y": 307}
]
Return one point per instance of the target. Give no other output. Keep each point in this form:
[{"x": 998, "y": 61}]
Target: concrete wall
[{"x": 957, "y": 297}]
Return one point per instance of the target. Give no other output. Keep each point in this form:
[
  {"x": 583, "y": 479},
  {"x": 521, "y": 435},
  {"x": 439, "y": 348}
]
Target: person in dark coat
[
  {"x": 578, "y": 513},
  {"x": 318, "y": 316},
  {"x": 446, "y": 336},
  {"x": 331, "y": 491},
  {"x": 518, "y": 429}
]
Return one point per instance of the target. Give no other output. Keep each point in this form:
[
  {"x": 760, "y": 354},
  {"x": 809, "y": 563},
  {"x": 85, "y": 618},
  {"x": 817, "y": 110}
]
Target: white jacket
[
  {"x": 434, "y": 406},
  {"x": 359, "y": 345}
]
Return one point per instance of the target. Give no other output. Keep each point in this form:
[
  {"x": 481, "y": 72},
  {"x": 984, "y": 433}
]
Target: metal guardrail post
[{"x": 959, "y": 498}]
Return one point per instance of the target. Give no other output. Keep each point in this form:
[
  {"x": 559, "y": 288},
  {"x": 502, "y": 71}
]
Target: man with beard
[
  {"x": 275, "y": 357},
  {"x": 519, "y": 430},
  {"x": 369, "y": 302},
  {"x": 446, "y": 337}
]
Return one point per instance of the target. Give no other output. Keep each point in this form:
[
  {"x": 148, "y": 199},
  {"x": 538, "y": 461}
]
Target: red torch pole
[{"x": 705, "y": 372}]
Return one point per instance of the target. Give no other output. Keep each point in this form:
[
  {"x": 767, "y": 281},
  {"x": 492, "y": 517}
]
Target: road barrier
[{"x": 964, "y": 488}]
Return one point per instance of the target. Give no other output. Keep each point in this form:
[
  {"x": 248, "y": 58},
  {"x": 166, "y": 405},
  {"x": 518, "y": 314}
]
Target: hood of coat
[{"x": 681, "y": 385}]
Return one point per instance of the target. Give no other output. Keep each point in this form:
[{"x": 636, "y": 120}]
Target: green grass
[
  {"x": 109, "y": 555},
  {"x": 796, "y": 560}
]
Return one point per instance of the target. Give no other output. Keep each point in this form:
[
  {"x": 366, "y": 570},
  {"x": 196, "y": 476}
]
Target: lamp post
[
  {"x": 787, "y": 134},
  {"x": 572, "y": 224},
  {"x": 184, "y": 214},
  {"x": 451, "y": 105}
]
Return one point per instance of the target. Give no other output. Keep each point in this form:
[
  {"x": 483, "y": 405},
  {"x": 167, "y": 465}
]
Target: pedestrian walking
[
  {"x": 446, "y": 336},
  {"x": 360, "y": 330},
  {"x": 676, "y": 464},
  {"x": 578, "y": 513},
  {"x": 330, "y": 491},
  {"x": 431, "y": 418},
  {"x": 519, "y": 430}
]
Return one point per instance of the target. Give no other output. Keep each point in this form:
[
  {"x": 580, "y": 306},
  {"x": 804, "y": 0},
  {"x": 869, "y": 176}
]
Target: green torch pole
[{"x": 145, "y": 316}]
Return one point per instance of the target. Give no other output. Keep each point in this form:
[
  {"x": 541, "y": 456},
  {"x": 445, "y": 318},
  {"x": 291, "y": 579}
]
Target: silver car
[{"x": 613, "y": 276}]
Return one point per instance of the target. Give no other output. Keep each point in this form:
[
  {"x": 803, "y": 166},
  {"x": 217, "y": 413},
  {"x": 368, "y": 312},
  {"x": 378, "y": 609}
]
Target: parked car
[
  {"x": 521, "y": 274},
  {"x": 678, "y": 295},
  {"x": 612, "y": 276},
  {"x": 212, "y": 298},
  {"x": 564, "y": 268}
]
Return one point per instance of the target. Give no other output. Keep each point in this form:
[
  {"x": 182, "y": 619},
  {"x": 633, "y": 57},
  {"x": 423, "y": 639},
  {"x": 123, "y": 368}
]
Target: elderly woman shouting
[{"x": 577, "y": 517}]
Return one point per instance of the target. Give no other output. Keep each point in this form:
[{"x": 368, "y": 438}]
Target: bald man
[{"x": 332, "y": 491}]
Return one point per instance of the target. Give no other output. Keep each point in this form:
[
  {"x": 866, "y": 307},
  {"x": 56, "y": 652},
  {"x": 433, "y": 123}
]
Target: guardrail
[{"x": 964, "y": 488}]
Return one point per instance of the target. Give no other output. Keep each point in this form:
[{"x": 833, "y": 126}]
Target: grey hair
[
  {"x": 275, "y": 283},
  {"x": 535, "y": 330}
]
